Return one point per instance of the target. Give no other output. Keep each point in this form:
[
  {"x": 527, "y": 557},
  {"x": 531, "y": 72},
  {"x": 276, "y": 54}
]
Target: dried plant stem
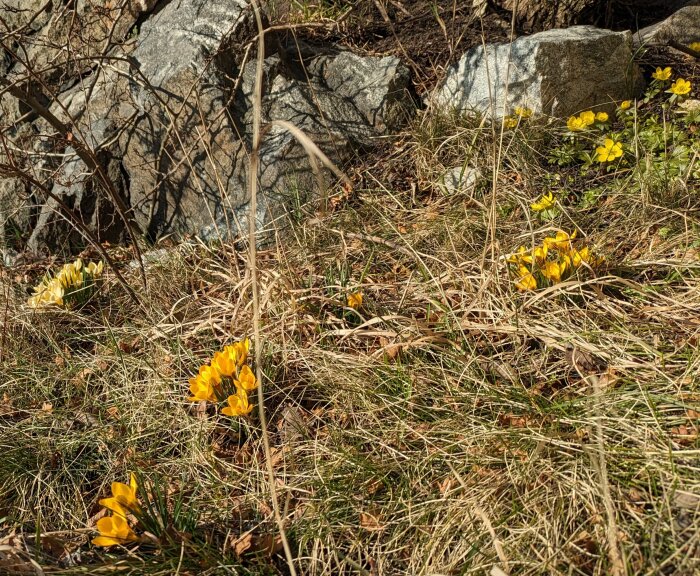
[
  {"x": 252, "y": 221},
  {"x": 599, "y": 463}
]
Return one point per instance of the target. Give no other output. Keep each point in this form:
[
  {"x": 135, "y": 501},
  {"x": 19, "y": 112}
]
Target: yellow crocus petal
[
  {"x": 242, "y": 349},
  {"x": 526, "y": 282},
  {"x": 546, "y": 201},
  {"x": 114, "y": 530},
  {"x": 106, "y": 541},
  {"x": 224, "y": 364},
  {"x": 246, "y": 379},
  {"x": 355, "y": 300},
  {"x": 552, "y": 271},
  {"x": 238, "y": 405},
  {"x": 201, "y": 390}
]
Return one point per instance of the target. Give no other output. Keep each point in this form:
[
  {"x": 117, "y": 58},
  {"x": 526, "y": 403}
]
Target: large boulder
[
  {"x": 682, "y": 27},
  {"x": 557, "y": 73}
]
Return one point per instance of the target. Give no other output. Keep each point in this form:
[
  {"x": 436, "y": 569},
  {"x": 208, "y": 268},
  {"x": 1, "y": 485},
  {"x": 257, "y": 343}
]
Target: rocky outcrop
[
  {"x": 168, "y": 117},
  {"x": 557, "y": 73}
]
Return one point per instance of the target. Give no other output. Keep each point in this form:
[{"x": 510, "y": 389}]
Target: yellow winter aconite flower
[
  {"x": 601, "y": 117},
  {"x": 662, "y": 74},
  {"x": 114, "y": 530},
  {"x": 575, "y": 124},
  {"x": 523, "y": 112},
  {"x": 588, "y": 117},
  {"x": 609, "y": 151},
  {"x": 355, "y": 300},
  {"x": 510, "y": 122},
  {"x": 680, "y": 87},
  {"x": 625, "y": 104},
  {"x": 694, "y": 46},
  {"x": 546, "y": 201},
  {"x": 238, "y": 404},
  {"x": 124, "y": 499}
]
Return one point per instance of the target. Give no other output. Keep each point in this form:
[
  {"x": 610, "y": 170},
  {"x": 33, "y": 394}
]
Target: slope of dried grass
[{"x": 451, "y": 425}]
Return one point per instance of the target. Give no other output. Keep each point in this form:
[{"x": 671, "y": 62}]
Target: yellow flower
[
  {"x": 246, "y": 379},
  {"x": 241, "y": 348},
  {"x": 575, "y": 124},
  {"x": 694, "y": 46},
  {"x": 561, "y": 241},
  {"x": 526, "y": 281},
  {"x": 587, "y": 117},
  {"x": 202, "y": 385},
  {"x": 238, "y": 404},
  {"x": 546, "y": 201},
  {"x": 601, "y": 117},
  {"x": 225, "y": 362},
  {"x": 625, "y": 104},
  {"x": 114, "y": 530},
  {"x": 124, "y": 499},
  {"x": 609, "y": 151},
  {"x": 510, "y": 122},
  {"x": 355, "y": 300},
  {"x": 95, "y": 269},
  {"x": 680, "y": 87},
  {"x": 552, "y": 271},
  {"x": 579, "y": 256},
  {"x": 523, "y": 112},
  {"x": 662, "y": 74},
  {"x": 519, "y": 256}
]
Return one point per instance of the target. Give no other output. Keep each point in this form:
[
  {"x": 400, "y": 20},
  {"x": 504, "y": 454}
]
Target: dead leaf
[
  {"x": 243, "y": 544},
  {"x": 370, "y": 522}
]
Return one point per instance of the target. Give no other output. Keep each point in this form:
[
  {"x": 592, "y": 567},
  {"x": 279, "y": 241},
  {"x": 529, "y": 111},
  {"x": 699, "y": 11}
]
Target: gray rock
[
  {"x": 183, "y": 155},
  {"x": 682, "y": 26},
  {"x": 378, "y": 87},
  {"x": 557, "y": 73},
  {"x": 460, "y": 179}
]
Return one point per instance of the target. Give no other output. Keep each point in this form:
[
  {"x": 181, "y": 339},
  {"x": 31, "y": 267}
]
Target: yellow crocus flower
[
  {"x": 526, "y": 281},
  {"x": 587, "y": 117},
  {"x": 246, "y": 379},
  {"x": 124, "y": 499},
  {"x": 238, "y": 404},
  {"x": 114, "y": 530},
  {"x": 575, "y": 124},
  {"x": 355, "y": 300},
  {"x": 225, "y": 362},
  {"x": 561, "y": 241},
  {"x": 609, "y": 151}
]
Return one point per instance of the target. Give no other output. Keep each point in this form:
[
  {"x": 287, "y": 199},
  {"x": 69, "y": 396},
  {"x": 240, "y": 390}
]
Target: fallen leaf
[{"x": 370, "y": 522}]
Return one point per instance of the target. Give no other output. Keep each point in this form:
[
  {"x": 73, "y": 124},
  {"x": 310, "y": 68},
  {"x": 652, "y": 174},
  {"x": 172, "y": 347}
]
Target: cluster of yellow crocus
[
  {"x": 73, "y": 284},
  {"x": 227, "y": 376},
  {"x": 115, "y": 529},
  {"x": 551, "y": 262}
]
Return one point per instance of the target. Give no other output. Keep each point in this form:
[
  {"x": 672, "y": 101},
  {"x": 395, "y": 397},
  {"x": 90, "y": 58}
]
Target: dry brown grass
[{"x": 450, "y": 426}]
